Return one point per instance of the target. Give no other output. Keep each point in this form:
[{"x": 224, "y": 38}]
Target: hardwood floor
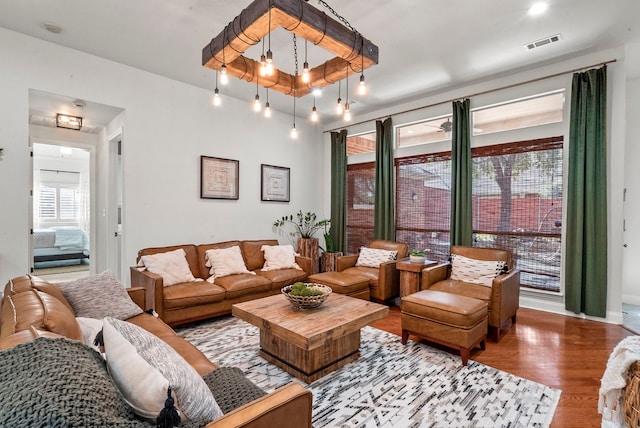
[{"x": 562, "y": 352}]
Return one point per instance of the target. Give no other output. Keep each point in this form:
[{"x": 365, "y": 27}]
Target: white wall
[
  {"x": 617, "y": 76},
  {"x": 167, "y": 126}
]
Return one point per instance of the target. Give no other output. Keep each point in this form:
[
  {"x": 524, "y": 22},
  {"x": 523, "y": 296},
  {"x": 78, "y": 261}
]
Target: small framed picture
[
  {"x": 275, "y": 183},
  {"x": 219, "y": 178}
]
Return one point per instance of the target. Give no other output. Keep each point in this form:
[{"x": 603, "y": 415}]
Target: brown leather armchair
[
  {"x": 502, "y": 297},
  {"x": 384, "y": 282}
]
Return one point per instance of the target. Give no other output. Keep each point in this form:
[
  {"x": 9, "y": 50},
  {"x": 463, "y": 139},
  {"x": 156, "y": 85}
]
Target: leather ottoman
[
  {"x": 343, "y": 283},
  {"x": 452, "y": 320}
]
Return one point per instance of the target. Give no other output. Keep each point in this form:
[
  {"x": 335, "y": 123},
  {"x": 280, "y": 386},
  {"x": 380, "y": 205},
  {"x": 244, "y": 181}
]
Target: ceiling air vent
[{"x": 542, "y": 42}]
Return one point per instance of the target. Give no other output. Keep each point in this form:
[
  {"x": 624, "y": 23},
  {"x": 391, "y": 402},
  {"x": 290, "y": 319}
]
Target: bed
[{"x": 60, "y": 246}]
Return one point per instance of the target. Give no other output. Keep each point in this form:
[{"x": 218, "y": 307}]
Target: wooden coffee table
[{"x": 310, "y": 343}]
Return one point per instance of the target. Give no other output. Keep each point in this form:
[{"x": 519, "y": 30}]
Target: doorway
[{"x": 61, "y": 212}]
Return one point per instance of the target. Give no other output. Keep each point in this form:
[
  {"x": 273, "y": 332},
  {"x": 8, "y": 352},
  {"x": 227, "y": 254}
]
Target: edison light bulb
[
  {"x": 216, "y": 98},
  {"x": 362, "y": 88},
  {"x": 263, "y": 65},
  {"x": 269, "y": 67},
  {"x": 339, "y": 109},
  {"x": 267, "y": 110},
  {"x": 224, "y": 78},
  {"x": 305, "y": 73},
  {"x": 314, "y": 115},
  {"x": 294, "y": 132},
  {"x": 347, "y": 113},
  {"x": 256, "y": 103}
]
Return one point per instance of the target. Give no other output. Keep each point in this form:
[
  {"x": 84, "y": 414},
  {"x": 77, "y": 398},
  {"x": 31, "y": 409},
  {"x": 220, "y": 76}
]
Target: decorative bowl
[
  {"x": 416, "y": 259},
  {"x": 307, "y": 302}
]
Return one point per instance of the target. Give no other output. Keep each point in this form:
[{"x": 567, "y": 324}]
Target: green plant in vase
[{"x": 306, "y": 224}]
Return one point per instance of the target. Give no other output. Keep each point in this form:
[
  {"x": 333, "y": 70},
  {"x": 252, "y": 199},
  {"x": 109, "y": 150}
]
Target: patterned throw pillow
[
  {"x": 172, "y": 266},
  {"x": 99, "y": 296},
  {"x": 143, "y": 366},
  {"x": 225, "y": 262},
  {"x": 279, "y": 257},
  {"x": 373, "y": 257},
  {"x": 476, "y": 271}
]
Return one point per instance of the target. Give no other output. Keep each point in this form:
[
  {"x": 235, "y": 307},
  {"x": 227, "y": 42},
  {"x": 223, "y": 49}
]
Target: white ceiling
[{"x": 426, "y": 46}]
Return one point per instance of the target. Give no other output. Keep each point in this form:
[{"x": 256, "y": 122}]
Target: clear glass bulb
[
  {"x": 294, "y": 132},
  {"x": 362, "y": 88},
  {"x": 305, "y": 73},
  {"x": 216, "y": 98},
  {"x": 224, "y": 78},
  {"x": 339, "y": 109},
  {"x": 314, "y": 115},
  {"x": 256, "y": 103},
  {"x": 347, "y": 113},
  {"x": 269, "y": 67},
  {"x": 267, "y": 110}
]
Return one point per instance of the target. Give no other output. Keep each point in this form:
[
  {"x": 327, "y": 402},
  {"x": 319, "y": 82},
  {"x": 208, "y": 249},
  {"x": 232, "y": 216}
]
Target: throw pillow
[
  {"x": 99, "y": 296},
  {"x": 373, "y": 257},
  {"x": 225, "y": 262},
  {"x": 476, "y": 271},
  {"x": 143, "y": 366},
  {"x": 279, "y": 257},
  {"x": 172, "y": 266},
  {"x": 90, "y": 327}
]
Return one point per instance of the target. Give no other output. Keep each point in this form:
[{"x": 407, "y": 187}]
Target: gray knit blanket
[{"x": 63, "y": 383}]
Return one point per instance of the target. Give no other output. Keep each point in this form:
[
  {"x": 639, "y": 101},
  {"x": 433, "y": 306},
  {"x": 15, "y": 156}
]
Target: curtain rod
[{"x": 488, "y": 91}]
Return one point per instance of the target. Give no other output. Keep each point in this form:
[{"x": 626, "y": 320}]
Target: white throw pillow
[
  {"x": 279, "y": 257},
  {"x": 373, "y": 257},
  {"x": 143, "y": 366},
  {"x": 476, "y": 271},
  {"x": 225, "y": 262},
  {"x": 172, "y": 266}
]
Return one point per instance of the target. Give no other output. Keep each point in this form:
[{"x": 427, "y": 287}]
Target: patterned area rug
[{"x": 391, "y": 385}]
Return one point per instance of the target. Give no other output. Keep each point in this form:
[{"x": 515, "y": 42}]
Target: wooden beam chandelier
[{"x": 353, "y": 52}]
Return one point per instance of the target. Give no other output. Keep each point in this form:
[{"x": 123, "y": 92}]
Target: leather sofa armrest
[
  {"x": 138, "y": 295},
  {"x": 344, "y": 262},
  {"x": 289, "y": 406},
  {"x": 433, "y": 274},
  {"x": 388, "y": 280},
  {"x": 152, "y": 283},
  {"x": 505, "y": 296},
  {"x": 304, "y": 263}
]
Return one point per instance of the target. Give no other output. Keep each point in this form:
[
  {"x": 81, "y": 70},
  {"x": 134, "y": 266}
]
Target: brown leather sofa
[
  {"x": 192, "y": 301},
  {"x": 503, "y": 297},
  {"x": 384, "y": 282},
  {"x": 22, "y": 309}
]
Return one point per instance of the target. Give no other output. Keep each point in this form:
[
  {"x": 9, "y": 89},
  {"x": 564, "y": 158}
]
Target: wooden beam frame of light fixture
[{"x": 248, "y": 29}]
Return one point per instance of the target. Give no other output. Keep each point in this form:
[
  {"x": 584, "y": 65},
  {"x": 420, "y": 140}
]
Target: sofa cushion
[
  {"x": 58, "y": 318},
  {"x": 99, "y": 296},
  {"x": 192, "y": 293},
  {"x": 27, "y": 311},
  {"x": 468, "y": 289},
  {"x": 143, "y": 367},
  {"x": 172, "y": 266},
  {"x": 243, "y": 285},
  {"x": 283, "y": 277},
  {"x": 476, "y": 271},
  {"x": 225, "y": 262},
  {"x": 279, "y": 257},
  {"x": 52, "y": 290},
  {"x": 373, "y": 257},
  {"x": 252, "y": 252}
]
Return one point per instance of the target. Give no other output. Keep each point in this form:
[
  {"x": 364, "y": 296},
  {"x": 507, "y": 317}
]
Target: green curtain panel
[
  {"x": 586, "y": 230},
  {"x": 384, "y": 213},
  {"x": 338, "y": 189},
  {"x": 461, "y": 202}
]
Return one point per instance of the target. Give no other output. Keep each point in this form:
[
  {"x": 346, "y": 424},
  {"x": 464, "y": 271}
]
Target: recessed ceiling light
[
  {"x": 53, "y": 28},
  {"x": 538, "y": 8}
]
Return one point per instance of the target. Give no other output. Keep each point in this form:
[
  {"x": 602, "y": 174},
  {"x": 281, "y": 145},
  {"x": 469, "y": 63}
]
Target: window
[
  {"x": 47, "y": 203},
  {"x": 423, "y": 203},
  {"x": 58, "y": 197},
  {"x": 517, "y": 205},
  {"x": 361, "y": 188},
  {"x": 533, "y": 111},
  {"x": 363, "y": 143},
  {"x": 429, "y": 131}
]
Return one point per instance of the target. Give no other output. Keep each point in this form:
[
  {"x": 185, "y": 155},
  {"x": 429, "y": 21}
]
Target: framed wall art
[
  {"x": 219, "y": 178},
  {"x": 274, "y": 183}
]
